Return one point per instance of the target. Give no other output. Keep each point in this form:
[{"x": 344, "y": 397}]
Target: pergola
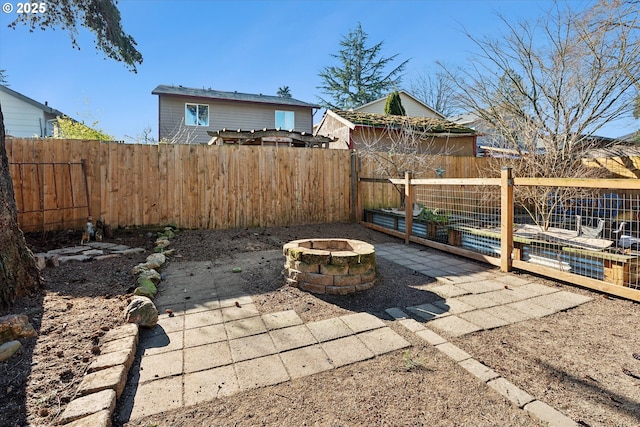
[{"x": 270, "y": 137}]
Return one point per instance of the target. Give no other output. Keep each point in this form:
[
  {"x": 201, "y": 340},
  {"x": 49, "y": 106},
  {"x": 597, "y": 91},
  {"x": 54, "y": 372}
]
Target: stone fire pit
[{"x": 330, "y": 266}]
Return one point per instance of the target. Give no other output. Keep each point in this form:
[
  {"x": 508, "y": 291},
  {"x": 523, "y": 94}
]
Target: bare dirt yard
[{"x": 583, "y": 362}]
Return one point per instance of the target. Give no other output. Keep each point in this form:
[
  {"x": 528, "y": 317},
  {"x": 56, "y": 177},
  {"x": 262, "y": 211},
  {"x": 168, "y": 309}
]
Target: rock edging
[
  {"x": 106, "y": 376},
  {"x": 104, "y": 382}
]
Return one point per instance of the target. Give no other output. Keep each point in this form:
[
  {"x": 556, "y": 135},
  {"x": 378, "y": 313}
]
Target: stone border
[
  {"x": 491, "y": 378},
  {"x": 106, "y": 377},
  {"x": 330, "y": 266},
  {"x": 104, "y": 381}
]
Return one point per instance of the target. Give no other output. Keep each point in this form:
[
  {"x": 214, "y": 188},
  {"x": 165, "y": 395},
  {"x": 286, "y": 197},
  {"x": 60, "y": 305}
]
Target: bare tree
[
  {"x": 545, "y": 88},
  {"x": 400, "y": 148},
  {"x": 436, "y": 89},
  {"x": 179, "y": 134}
]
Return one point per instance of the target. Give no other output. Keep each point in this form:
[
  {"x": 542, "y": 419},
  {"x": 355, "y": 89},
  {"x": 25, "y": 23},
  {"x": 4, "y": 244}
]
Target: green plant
[
  {"x": 411, "y": 364},
  {"x": 432, "y": 216}
]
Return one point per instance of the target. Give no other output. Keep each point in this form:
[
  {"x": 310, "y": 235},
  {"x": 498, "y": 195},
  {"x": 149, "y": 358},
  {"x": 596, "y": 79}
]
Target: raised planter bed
[{"x": 614, "y": 268}]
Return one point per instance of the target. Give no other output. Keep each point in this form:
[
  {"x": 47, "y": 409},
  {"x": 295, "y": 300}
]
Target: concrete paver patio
[{"x": 216, "y": 343}]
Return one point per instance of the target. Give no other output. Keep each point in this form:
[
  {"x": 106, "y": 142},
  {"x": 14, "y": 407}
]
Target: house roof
[
  {"x": 403, "y": 92},
  {"x": 30, "y": 101},
  {"x": 229, "y": 96},
  {"x": 427, "y": 124},
  {"x": 633, "y": 137}
]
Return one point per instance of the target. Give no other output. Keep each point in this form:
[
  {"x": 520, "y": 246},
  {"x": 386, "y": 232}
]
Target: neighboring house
[
  {"x": 486, "y": 139},
  {"x": 188, "y": 115},
  {"x": 355, "y": 130},
  {"x": 413, "y": 106},
  {"x": 25, "y": 117},
  {"x": 491, "y": 144}
]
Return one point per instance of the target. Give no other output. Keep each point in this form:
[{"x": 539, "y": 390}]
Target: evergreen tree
[
  {"x": 394, "y": 106},
  {"x": 284, "y": 92},
  {"x": 362, "y": 75}
]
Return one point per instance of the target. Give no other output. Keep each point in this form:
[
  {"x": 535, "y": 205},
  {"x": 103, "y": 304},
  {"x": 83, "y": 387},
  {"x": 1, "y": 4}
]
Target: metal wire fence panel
[
  {"x": 585, "y": 232},
  {"x": 452, "y": 214}
]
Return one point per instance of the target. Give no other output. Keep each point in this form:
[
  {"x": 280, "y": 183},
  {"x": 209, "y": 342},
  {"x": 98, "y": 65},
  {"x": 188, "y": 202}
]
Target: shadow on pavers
[
  {"x": 397, "y": 286},
  {"x": 152, "y": 340}
]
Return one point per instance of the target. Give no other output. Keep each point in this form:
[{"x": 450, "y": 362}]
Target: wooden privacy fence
[
  {"x": 191, "y": 186},
  {"x": 586, "y": 232}
]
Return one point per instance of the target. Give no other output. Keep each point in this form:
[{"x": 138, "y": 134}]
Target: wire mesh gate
[{"x": 51, "y": 193}]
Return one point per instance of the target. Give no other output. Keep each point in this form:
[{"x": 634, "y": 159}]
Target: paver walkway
[
  {"x": 475, "y": 296},
  {"x": 215, "y": 342}
]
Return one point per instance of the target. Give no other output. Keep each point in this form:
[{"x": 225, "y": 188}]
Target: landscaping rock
[
  {"x": 142, "y": 311},
  {"x": 122, "y": 331},
  {"x": 81, "y": 258},
  {"x": 99, "y": 419},
  {"x": 156, "y": 261},
  {"x": 140, "y": 268},
  {"x": 152, "y": 275},
  {"x": 144, "y": 292},
  {"x": 15, "y": 326},
  {"x": 147, "y": 283},
  {"x": 168, "y": 233},
  {"x": 162, "y": 243},
  {"x": 114, "y": 378},
  {"x": 170, "y": 252},
  {"x": 8, "y": 349}
]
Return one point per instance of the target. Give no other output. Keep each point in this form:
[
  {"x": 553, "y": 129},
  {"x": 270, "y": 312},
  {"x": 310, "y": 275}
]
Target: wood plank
[
  {"x": 253, "y": 202},
  {"x": 506, "y": 220},
  {"x": 170, "y": 185},
  {"x": 594, "y": 284},
  {"x": 163, "y": 197},
  {"x": 201, "y": 177},
  {"x": 620, "y": 184},
  {"x": 450, "y": 181},
  {"x": 213, "y": 172}
]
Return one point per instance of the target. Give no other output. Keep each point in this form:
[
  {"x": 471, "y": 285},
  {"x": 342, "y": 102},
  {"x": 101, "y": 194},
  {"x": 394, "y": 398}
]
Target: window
[
  {"x": 196, "y": 115},
  {"x": 285, "y": 120}
]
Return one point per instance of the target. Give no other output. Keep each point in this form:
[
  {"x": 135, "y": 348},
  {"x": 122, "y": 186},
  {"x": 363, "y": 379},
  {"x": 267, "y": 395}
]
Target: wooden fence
[
  {"x": 191, "y": 186},
  {"x": 59, "y": 183}
]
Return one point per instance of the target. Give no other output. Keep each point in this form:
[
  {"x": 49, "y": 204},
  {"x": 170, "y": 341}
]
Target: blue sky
[{"x": 252, "y": 46}]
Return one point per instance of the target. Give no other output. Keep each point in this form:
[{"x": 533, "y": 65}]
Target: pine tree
[
  {"x": 362, "y": 75},
  {"x": 284, "y": 92},
  {"x": 394, "y": 106}
]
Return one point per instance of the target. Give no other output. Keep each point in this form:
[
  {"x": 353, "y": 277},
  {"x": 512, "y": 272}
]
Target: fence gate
[{"x": 51, "y": 193}]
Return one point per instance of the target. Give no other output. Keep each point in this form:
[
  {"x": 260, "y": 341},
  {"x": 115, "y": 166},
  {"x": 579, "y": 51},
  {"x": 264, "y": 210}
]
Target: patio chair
[
  {"x": 625, "y": 241},
  {"x": 591, "y": 232}
]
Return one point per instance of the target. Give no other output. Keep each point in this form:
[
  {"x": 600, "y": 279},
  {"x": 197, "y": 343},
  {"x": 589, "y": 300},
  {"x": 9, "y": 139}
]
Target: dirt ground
[{"x": 580, "y": 361}]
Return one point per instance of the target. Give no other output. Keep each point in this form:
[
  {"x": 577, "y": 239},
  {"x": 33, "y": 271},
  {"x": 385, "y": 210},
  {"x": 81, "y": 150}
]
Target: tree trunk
[{"x": 18, "y": 272}]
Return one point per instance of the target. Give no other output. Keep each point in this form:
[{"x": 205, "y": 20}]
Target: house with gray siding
[
  {"x": 25, "y": 117},
  {"x": 189, "y": 115}
]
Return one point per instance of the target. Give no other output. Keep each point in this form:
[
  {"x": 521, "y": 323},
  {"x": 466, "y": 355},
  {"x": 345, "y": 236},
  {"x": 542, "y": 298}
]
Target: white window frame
[
  {"x": 285, "y": 113},
  {"x": 186, "y": 104}
]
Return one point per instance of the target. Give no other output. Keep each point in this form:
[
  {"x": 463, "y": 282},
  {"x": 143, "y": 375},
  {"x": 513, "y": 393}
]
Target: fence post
[
  {"x": 506, "y": 218},
  {"x": 408, "y": 207}
]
